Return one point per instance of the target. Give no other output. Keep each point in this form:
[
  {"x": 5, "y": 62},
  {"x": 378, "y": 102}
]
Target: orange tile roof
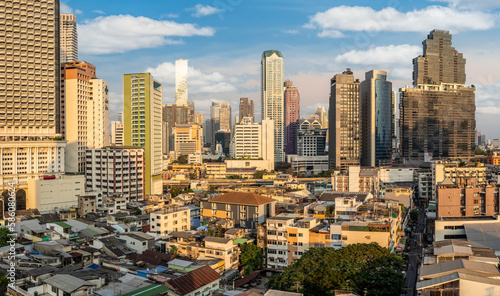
[{"x": 242, "y": 198}]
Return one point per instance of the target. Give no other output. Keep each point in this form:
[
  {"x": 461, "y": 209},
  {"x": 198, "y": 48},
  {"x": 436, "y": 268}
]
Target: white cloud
[
  {"x": 121, "y": 33},
  {"x": 65, "y": 8},
  {"x": 199, "y": 82},
  {"x": 291, "y": 32},
  {"x": 391, "y": 54},
  {"x": 358, "y": 18},
  {"x": 98, "y": 11},
  {"x": 331, "y": 34},
  {"x": 476, "y": 4},
  {"x": 487, "y": 100},
  {"x": 203, "y": 10},
  {"x": 78, "y": 11}
]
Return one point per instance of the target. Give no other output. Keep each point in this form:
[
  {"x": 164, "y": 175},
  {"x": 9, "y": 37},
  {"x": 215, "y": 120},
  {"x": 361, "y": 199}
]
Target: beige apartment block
[
  {"x": 68, "y": 38},
  {"x": 171, "y": 219}
]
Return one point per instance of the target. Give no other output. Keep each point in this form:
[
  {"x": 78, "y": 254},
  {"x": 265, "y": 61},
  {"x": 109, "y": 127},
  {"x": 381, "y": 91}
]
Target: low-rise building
[
  {"x": 455, "y": 200},
  {"x": 53, "y": 193},
  {"x": 454, "y": 227},
  {"x": 277, "y": 241},
  {"x": 138, "y": 241},
  {"x": 245, "y": 210},
  {"x": 87, "y": 204},
  {"x": 170, "y": 219}
]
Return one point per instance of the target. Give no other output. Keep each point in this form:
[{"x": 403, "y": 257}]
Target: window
[
  {"x": 292, "y": 235},
  {"x": 301, "y": 234}
]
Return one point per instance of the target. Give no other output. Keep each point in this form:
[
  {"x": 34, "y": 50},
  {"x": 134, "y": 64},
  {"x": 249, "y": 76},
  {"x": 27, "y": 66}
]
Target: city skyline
[{"x": 303, "y": 37}]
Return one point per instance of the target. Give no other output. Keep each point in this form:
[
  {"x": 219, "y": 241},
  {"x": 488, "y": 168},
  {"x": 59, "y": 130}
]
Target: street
[{"x": 415, "y": 252}]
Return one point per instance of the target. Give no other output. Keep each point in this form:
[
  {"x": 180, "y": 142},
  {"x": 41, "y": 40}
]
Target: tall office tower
[
  {"x": 246, "y": 108},
  {"x": 142, "y": 120},
  {"x": 117, "y": 133},
  {"x": 75, "y": 96},
  {"x": 29, "y": 95},
  {"x": 311, "y": 138},
  {"x": 292, "y": 115},
  {"x": 68, "y": 38},
  {"x": 223, "y": 138},
  {"x": 207, "y": 139},
  {"x": 376, "y": 119},
  {"x": 220, "y": 115},
  {"x": 438, "y": 113},
  {"x": 187, "y": 138},
  {"x": 98, "y": 114},
  {"x": 272, "y": 98},
  {"x": 249, "y": 141},
  {"x": 344, "y": 129},
  {"x": 198, "y": 118},
  {"x": 181, "y": 78},
  {"x": 171, "y": 115}
]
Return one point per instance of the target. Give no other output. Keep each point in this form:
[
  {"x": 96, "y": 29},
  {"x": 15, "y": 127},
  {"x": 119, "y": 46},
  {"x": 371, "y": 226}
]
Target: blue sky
[{"x": 224, "y": 40}]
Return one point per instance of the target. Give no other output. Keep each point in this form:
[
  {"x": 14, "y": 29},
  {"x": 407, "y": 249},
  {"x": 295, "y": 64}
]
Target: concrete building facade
[
  {"x": 116, "y": 170},
  {"x": 292, "y": 115},
  {"x": 344, "y": 121},
  {"x": 68, "y": 38},
  {"x": 142, "y": 117},
  {"x": 273, "y": 105}
]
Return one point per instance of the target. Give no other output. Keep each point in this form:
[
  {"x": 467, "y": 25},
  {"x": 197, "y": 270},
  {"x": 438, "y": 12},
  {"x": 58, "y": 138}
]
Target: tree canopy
[
  {"x": 357, "y": 267},
  {"x": 251, "y": 257},
  {"x": 4, "y": 236}
]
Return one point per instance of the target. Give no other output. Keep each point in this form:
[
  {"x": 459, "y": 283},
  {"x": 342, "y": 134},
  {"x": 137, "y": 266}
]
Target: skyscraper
[
  {"x": 142, "y": 116},
  {"x": 30, "y": 135},
  {"x": 69, "y": 38},
  {"x": 438, "y": 114},
  {"x": 292, "y": 115},
  {"x": 172, "y": 115},
  {"x": 181, "y": 78},
  {"x": 253, "y": 140},
  {"x": 272, "y": 97},
  {"x": 376, "y": 119},
  {"x": 246, "y": 108},
  {"x": 344, "y": 129},
  {"x": 84, "y": 112},
  {"x": 220, "y": 116}
]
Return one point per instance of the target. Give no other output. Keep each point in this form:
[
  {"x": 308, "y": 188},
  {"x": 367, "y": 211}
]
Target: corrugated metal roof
[
  {"x": 67, "y": 283},
  {"x": 193, "y": 280}
]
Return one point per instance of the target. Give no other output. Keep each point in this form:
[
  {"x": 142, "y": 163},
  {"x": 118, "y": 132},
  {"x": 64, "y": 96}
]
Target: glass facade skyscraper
[{"x": 376, "y": 119}]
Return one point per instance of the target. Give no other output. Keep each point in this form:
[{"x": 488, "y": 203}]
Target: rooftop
[
  {"x": 242, "y": 198},
  {"x": 193, "y": 280},
  {"x": 67, "y": 283}
]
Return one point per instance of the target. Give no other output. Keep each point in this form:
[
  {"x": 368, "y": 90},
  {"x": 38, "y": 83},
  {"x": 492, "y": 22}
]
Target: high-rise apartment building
[
  {"x": 292, "y": 115},
  {"x": 246, "y": 108},
  {"x": 438, "y": 114},
  {"x": 84, "y": 112},
  {"x": 68, "y": 38},
  {"x": 273, "y": 105},
  {"x": 29, "y": 94},
  {"x": 142, "y": 119},
  {"x": 376, "y": 119},
  {"x": 116, "y": 170},
  {"x": 181, "y": 78},
  {"x": 98, "y": 114},
  {"x": 117, "y": 133},
  {"x": 344, "y": 121},
  {"x": 253, "y": 140}
]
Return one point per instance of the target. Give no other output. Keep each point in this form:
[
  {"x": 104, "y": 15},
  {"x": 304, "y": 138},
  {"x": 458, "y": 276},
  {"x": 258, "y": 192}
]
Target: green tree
[
  {"x": 174, "y": 251},
  {"x": 193, "y": 176},
  {"x": 259, "y": 173},
  {"x": 4, "y": 282},
  {"x": 233, "y": 177},
  {"x": 382, "y": 276},
  {"x": 321, "y": 271},
  {"x": 330, "y": 210},
  {"x": 183, "y": 159},
  {"x": 4, "y": 236},
  {"x": 175, "y": 190},
  {"x": 414, "y": 215},
  {"x": 251, "y": 258},
  {"x": 136, "y": 211}
]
